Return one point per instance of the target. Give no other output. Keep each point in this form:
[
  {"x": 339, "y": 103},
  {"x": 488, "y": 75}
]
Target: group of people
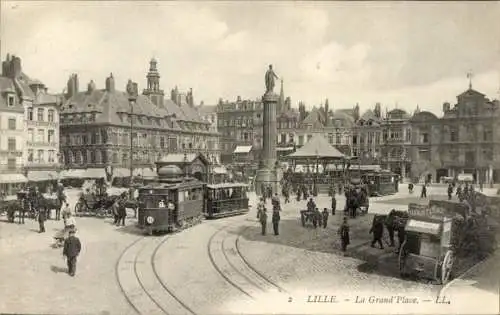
[
  {"x": 120, "y": 210},
  {"x": 262, "y": 214},
  {"x": 393, "y": 223}
]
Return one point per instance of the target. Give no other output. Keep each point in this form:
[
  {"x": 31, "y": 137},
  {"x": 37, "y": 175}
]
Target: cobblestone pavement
[{"x": 218, "y": 267}]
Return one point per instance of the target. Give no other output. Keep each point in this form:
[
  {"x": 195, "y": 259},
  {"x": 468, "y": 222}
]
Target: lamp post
[{"x": 132, "y": 92}]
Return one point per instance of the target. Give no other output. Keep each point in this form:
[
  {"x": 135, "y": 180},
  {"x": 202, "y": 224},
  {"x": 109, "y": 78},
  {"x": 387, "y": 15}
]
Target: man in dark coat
[
  {"x": 122, "y": 212},
  {"x": 423, "y": 194},
  {"x": 262, "y": 216},
  {"x": 377, "y": 230},
  {"x": 334, "y": 204},
  {"x": 390, "y": 224},
  {"x": 325, "y": 217},
  {"x": 276, "y": 220},
  {"x": 344, "y": 234},
  {"x": 72, "y": 248},
  {"x": 42, "y": 216}
]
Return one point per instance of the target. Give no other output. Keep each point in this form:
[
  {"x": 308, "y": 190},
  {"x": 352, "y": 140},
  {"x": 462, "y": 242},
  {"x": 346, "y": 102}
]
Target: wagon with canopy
[{"x": 432, "y": 238}]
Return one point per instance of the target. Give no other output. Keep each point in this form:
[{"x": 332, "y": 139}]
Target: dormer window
[
  {"x": 11, "y": 100},
  {"x": 30, "y": 114}
]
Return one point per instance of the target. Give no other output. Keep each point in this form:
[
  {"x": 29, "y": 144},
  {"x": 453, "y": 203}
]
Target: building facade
[
  {"x": 367, "y": 136},
  {"x": 98, "y": 126},
  {"x": 466, "y": 139},
  {"x": 41, "y": 123},
  {"x": 396, "y": 142},
  {"x": 208, "y": 113}
]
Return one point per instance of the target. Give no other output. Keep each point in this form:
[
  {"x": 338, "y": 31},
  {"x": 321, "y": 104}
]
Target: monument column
[{"x": 267, "y": 173}]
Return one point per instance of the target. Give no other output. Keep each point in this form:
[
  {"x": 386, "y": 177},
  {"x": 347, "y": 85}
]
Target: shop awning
[
  {"x": 40, "y": 176},
  {"x": 93, "y": 173},
  {"x": 12, "y": 178},
  {"x": 243, "y": 149},
  {"x": 75, "y": 173}
]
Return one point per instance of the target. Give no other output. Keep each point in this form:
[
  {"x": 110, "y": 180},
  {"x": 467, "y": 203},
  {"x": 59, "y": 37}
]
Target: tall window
[
  {"x": 424, "y": 137},
  {"x": 31, "y": 136},
  {"x": 52, "y": 154},
  {"x": 330, "y": 138},
  {"x": 11, "y": 164},
  {"x": 30, "y": 113},
  {"x": 30, "y": 155},
  {"x": 51, "y": 136},
  {"x": 453, "y": 135},
  {"x": 408, "y": 135},
  {"x": 488, "y": 134},
  {"x": 92, "y": 157},
  {"x": 162, "y": 142},
  {"x": 50, "y": 117},
  {"x": 41, "y": 135},
  {"x": 301, "y": 140},
  {"x": 40, "y": 156},
  {"x": 338, "y": 139},
  {"x": 12, "y": 123},
  {"x": 283, "y": 138},
  {"x": 40, "y": 114},
  {"x": 12, "y": 144},
  {"x": 11, "y": 100},
  {"x": 309, "y": 137}
]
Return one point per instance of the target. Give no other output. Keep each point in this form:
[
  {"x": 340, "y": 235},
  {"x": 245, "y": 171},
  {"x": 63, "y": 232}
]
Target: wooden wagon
[{"x": 432, "y": 236}]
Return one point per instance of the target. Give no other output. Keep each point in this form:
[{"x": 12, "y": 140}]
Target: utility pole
[{"x": 132, "y": 91}]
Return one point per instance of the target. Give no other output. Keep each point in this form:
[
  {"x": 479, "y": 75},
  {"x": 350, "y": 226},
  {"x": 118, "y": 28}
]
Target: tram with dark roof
[
  {"x": 175, "y": 201},
  {"x": 171, "y": 203}
]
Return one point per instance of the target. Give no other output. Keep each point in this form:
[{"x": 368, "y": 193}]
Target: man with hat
[{"x": 72, "y": 248}]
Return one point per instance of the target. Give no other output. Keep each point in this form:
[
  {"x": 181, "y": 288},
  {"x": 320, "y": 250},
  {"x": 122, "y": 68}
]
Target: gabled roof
[
  {"x": 317, "y": 147},
  {"x": 314, "y": 118},
  {"x": 470, "y": 91},
  {"x": 369, "y": 114}
]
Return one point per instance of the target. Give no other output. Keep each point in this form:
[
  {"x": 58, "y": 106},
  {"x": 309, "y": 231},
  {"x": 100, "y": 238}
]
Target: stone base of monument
[{"x": 267, "y": 177}]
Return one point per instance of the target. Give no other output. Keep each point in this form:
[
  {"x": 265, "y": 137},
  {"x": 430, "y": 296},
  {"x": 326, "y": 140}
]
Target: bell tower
[{"x": 153, "y": 84}]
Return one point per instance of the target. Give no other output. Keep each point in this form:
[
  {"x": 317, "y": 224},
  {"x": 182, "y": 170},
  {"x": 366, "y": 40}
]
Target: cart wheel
[
  {"x": 446, "y": 267},
  {"x": 402, "y": 259}
]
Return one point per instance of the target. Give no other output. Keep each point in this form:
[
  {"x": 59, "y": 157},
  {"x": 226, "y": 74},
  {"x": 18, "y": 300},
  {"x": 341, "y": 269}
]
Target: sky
[{"x": 401, "y": 54}]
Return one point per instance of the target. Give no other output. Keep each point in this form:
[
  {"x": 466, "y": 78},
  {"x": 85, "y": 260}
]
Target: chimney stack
[{"x": 110, "y": 83}]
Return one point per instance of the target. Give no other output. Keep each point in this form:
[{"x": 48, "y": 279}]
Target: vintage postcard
[{"x": 249, "y": 157}]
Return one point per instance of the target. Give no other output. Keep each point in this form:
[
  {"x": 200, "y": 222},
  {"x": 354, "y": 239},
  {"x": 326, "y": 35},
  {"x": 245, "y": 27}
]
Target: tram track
[
  {"x": 227, "y": 259},
  {"x": 141, "y": 284}
]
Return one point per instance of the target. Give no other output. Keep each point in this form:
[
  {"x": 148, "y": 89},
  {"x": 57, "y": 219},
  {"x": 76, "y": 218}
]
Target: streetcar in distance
[
  {"x": 380, "y": 183},
  {"x": 226, "y": 199}
]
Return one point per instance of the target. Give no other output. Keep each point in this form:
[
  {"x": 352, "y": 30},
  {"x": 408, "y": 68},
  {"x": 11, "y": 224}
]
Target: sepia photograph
[{"x": 249, "y": 157}]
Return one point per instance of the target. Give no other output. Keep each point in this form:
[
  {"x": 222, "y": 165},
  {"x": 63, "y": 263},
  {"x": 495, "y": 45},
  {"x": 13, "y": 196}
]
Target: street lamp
[{"x": 132, "y": 92}]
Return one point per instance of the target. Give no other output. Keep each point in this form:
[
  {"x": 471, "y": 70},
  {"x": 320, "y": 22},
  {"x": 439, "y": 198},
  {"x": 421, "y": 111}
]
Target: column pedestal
[{"x": 266, "y": 175}]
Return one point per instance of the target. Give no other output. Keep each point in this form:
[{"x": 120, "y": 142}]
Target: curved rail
[
  {"x": 158, "y": 302},
  {"x": 250, "y": 266},
  {"x": 253, "y": 279}
]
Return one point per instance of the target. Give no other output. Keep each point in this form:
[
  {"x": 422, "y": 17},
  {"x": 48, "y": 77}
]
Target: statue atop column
[{"x": 270, "y": 76}]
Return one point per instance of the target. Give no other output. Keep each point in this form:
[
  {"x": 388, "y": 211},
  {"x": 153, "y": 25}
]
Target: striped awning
[
  {"x": 12, "y": 178},
  {"x": 40, "y": 176}
]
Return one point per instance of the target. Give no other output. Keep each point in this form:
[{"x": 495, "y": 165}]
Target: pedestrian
[
  {"x": 344, "y": 234},
  {"x": 42, "y": 216},
  {"x": 72, "y": 248},
  {"x": 275, "y": 201},
  {"x": 276, "y": 221},
  {"x": 334, "y": 204},
  {"x": 316, "y": 216},
  {"x": 401, "y": 233},
  {"x": 378, "y": 231},
  {"x": 115, "y": 209},
  {"x": 311, "y": 205},
  {"x": 450, "y": 191},
  {"x": 262, "y": 216},
  {"x": 122, "y": 213},
  {"x": 423, "y": 194},
  {"x": 325, "y": 217},
  {"x": 391, "y": 226}
]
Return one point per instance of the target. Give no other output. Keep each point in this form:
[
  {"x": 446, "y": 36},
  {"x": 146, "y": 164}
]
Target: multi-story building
[
  {"x": 42, "y": 131},
  {"x": 396, "y": 142},
  {"x": 367, "y": 135},
  {"x": 97, "y": 126},
  {"x": 208, "y": 113},
  {"x": 466, "y": 139},
  {"x": 240, "y": 123},
  {"x": 15, "y": 96}
]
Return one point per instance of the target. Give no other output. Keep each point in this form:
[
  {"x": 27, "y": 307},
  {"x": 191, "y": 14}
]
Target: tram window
[
  {"x": 150, "y": 201},
  {"x": 181, "y": 196}
]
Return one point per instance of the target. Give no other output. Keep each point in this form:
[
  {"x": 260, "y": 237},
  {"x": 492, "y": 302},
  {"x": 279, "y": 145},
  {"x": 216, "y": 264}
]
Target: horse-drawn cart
[
  {"x": 91, "y": 204},
  {"x": 437, "y": 236}
]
